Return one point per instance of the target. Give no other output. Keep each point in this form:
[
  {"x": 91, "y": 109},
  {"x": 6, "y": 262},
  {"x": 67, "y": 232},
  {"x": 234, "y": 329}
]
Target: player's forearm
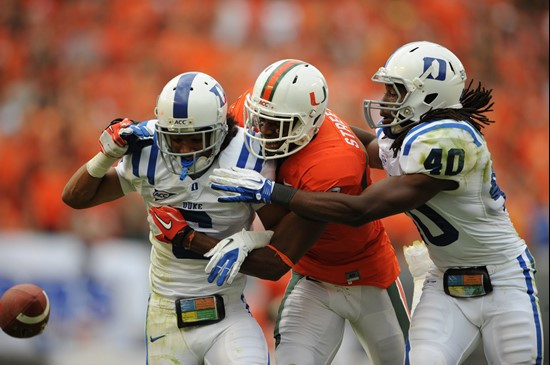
[
  {"x": 94, "y": 183},
  {"x": 262, "y": 263},
  {"x": 318, "y": 206},
  {"x": 365, "y": 137},
  {"x": 370, "y": 142},
  {"x": 81, "y": 189},
  {"x": 201, "y": 243},
  {"x": 265, "y": 264},
  {"x": 327, "y": 207},
  {"x": 387, "y": 197}
]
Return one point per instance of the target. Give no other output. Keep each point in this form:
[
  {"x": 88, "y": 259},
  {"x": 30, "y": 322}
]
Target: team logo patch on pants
[
  {"x": 200, "y": 311},
  {"x": 467, "y": 282}
]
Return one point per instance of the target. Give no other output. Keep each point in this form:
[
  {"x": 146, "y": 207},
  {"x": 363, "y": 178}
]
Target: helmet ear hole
[
  {"x": 452, "y": 68},
  {"x": 316, "y": 119},
  {"x": 430, "y": 98}
]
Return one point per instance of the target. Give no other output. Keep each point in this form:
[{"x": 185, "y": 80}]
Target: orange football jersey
[{"x": 335, "y": 161}]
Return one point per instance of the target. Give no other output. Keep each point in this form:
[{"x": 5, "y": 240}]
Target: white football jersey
[
  {"x": 469, "y": 226},
  {"x": 177, "y": 272}
]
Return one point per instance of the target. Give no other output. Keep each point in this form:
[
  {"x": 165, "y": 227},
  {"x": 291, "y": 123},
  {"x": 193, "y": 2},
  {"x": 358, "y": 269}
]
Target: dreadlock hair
[{"x": 475, "y": 103}]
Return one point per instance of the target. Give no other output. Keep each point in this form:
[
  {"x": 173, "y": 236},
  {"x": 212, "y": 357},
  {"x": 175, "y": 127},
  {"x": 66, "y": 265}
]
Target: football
[{"x": 24, "y": 311}]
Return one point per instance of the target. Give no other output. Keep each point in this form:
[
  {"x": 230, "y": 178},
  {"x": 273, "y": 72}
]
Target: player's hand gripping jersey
[
  {"x": 468, "y": 226},
  {"x": 175, "y": 271},
  {"x": 335, "y": 161}
]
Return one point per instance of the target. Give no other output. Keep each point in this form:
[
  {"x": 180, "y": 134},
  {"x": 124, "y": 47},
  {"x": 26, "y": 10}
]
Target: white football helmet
[
  {"x": 432, "y": 76},
  {"x": 192, "y": 103},
  {"x": 293, "y": 94}
]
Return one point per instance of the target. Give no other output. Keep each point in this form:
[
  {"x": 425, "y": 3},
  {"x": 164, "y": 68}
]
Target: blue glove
[
  {"x": 228, "y": 255},
  {"x": 137, "y": 136},
  {"x": 250, "y": 186}
]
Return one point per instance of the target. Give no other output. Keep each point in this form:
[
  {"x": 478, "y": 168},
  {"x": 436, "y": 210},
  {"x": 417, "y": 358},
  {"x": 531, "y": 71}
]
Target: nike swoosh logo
[
  {"x": 164, "y": 224},
  {"x": 256, "y": 181},
  {"x": 153, "y": 339}
]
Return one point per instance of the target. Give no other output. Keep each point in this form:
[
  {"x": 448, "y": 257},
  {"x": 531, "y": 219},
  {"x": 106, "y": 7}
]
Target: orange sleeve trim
[
  {"x": 190, "y": 237},
  {"x": 283, "y": 257}
]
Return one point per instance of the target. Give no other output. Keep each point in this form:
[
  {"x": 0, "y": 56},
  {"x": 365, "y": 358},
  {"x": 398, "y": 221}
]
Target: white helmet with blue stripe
[
  {"x": 191, "y": 104},
  {"x": 425, "y": 76}
]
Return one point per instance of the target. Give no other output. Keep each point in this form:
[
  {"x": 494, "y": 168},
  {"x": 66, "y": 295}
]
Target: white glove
[
  {"x": 419, "y": 262},
  {"x": 250, "y": 186},
  {"x": 228, "y": 255}
]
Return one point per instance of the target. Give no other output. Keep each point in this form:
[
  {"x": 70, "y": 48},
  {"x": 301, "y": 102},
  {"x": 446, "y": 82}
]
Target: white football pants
[
  {"x": 446, "y": 330},
  {"x": 236, "y": 340},
  {"x": 312, "y": 316}
]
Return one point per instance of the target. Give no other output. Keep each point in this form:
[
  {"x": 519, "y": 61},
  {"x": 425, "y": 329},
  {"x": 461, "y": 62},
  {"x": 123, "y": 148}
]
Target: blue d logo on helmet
[{"x": 429, "y": 63}]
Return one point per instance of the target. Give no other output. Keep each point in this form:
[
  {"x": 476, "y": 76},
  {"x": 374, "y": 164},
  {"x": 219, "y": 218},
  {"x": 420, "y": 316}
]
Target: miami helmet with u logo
[{"x": 290, "y": 95}]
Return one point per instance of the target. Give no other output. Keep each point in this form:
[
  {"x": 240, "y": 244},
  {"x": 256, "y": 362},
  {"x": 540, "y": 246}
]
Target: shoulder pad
[{"x": 442, "y": 149}]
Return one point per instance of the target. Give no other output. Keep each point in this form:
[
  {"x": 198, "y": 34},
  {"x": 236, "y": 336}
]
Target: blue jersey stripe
[
  {"x": 136, "y": 157},
  {"x": 414, "y": 135},
  {"x": 151, "y": 167},
  {"x": 243, "y": 157},
  {"x": 407, "y": 350},
  {"x": 181, "y": 97},
  {"x": 146, "y": 334},
  {"x": 258, "y": 165},
  {"x": 530, "y": 291}
]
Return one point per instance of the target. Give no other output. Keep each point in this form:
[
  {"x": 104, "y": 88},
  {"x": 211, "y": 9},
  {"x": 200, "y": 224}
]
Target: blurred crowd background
[{"x": 68, "y": 67}]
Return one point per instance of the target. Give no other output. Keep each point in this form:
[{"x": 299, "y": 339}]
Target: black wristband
[{"x": 282, "y": 194}]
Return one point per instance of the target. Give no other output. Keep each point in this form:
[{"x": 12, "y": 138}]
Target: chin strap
[{"x": 186, "y": 164}]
